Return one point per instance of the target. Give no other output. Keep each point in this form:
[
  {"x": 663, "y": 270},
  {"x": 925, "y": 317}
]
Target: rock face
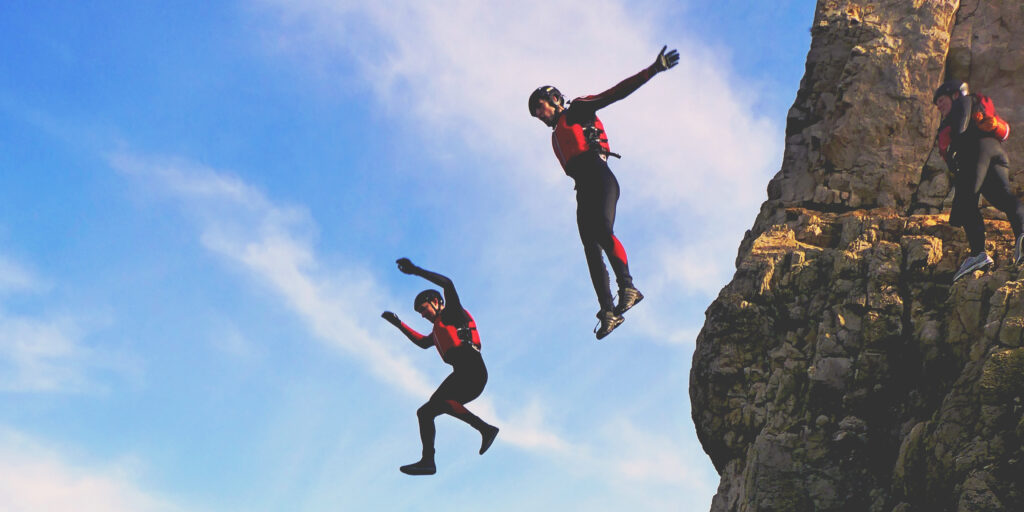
[{"x": 840, "y": 369}]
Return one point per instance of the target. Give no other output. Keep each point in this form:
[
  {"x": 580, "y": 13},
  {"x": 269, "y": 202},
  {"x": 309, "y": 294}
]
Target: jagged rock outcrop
[{"x": 840, "y": 369}]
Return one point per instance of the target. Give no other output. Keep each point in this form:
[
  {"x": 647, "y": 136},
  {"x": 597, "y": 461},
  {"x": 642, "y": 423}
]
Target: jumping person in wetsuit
[
  {"x": 980, "y": 167},
  {"x": 582, "y": 148},
  {"x": 458, "y": 342}
]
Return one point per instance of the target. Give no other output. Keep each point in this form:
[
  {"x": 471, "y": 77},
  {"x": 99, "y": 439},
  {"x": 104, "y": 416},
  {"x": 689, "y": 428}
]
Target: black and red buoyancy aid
[
  {"x": 977, "y": 110},
  {"x": 447, "y": 337},
  {"x": 578, "y": 130},
  {"x": 572, "y": 140}
]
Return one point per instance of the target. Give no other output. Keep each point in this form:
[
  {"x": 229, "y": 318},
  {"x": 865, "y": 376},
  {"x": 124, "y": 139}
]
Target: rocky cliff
[{"x": 840, "y": 369}]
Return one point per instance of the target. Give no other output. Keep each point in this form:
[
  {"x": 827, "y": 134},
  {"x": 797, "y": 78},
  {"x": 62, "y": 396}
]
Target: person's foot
[
  {"x": 608, "y": 322},
  {"x": 420, "y": 467},
  {"x": 487, "y": 437},
  {"x": 628, "y": 297},
  {"x": 972, "y": 263},
  {"x": 1018, "y": 250}
]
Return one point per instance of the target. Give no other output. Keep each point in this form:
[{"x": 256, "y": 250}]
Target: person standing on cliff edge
[
  {"x": 582, "y": 149},
  {"x": 456, "y": 339},
  {"x": 970, "y": 140}
]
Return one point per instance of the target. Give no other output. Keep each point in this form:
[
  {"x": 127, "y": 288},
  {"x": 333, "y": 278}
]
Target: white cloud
[
  {"x": 526, "y": 428},
  {"x": 274, "y": 244},
  {"x": 694, "y": 151},
  {"x": 15, "y": 278},
  {"x": 34, "y": 477},
  {"x": 696, "y": 158},
  {"x": 41, "y": 355},
  {"x": 42, "y": 351},
  {"x": 468, "y": 68},
  {"x": 266, "y": 240},
  {"x": 261, "y": 238},
  {"x": 639, "y": 455}
]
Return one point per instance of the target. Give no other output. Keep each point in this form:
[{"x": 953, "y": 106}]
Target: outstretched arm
[
  {"x": 453, "y": 311},
  {"x": 626, "y": 87},
  {"x": 415, "y": 337},
  {"x": 451, "y": 297}
]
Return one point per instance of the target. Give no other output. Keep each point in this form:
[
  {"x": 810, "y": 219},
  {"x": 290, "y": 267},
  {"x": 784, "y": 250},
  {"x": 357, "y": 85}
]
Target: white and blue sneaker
[
  {"x": 972, "y": 263},
  {"x": 1018, "y": 250}
]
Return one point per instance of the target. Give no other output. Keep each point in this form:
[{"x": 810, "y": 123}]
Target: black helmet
[
  {"x": 426, "y": 296},
  {"x": 949, "y": 88},
  {"x": 544, "y": 92}
]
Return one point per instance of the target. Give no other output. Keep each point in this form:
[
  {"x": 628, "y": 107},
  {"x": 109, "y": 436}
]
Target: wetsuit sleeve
[
  {"x": 960, "y": 115},
  {"x": 622, "y": 89},
  {"x": 415, "y": 337},
  {"x": 957, "y": 123},
  {"x": 452, "y": 305}
]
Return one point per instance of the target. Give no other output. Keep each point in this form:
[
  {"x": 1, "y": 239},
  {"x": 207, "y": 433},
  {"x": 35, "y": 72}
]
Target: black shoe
[
  {"x": 420, "y": 467},
  {"x": 628, "y": 297},
  {"x": 487, "y": 438},
  {"x": 608, "y": 322}
]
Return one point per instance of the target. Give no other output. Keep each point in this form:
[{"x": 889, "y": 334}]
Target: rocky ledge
[{"x": 841, "y": 370}]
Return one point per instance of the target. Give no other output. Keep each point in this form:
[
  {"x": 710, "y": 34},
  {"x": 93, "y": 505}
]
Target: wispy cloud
[
  {"x": 41, "y": 355},
  {"x": 641, "y": 456},
  {"x": 264, "y": 239},
  {"x": 16, "y": 278},
  {"x": 229, "y": 340},
  {"x": 43, "y": 351},
  {"x": 36, "y": 477},
  {"x": 696, "y": 153},
  {"x": 527, "y": 428},
  {"x": 274, "y": 244}
]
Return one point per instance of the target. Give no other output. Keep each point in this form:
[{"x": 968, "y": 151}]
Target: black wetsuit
[
  {"x": 456, "y": 339},
  {"x": 597, "y": 193},
  {"x": 981, "y": 167},
  {"x": 582, "y": 148}
]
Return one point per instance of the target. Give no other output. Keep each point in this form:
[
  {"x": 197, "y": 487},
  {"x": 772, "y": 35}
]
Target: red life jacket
[
  {"x": 986, "y": 118},
  {"x": 447, "y": 337},
  {"x": 572, "y": 140}
]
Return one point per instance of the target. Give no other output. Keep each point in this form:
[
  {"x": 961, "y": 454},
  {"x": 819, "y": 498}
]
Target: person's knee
[
  {"x": 428, "y": 410},
  {"x": 599, "y": 233},
  {"x": 1010, "y": 207},
  {"x": 591, "y": 246},
  {"x": 970, "y": 214},
  {"x": 1006, "y": 202}
]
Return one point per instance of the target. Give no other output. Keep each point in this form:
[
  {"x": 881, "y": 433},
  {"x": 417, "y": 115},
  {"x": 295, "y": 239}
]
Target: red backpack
[{"x": 986, "y": 118}]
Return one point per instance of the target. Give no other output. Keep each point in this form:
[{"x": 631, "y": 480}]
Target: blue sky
[{"x": 201, "y": 206}]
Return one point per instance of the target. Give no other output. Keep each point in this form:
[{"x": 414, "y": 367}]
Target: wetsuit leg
[
  {"x": 597, "y": 193},
  {"x": 974, "y": 228},
  {"x": 462, "y": 386},
  {"x": 965, "y": 211},
  {"x": 996, "y": 184}
]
